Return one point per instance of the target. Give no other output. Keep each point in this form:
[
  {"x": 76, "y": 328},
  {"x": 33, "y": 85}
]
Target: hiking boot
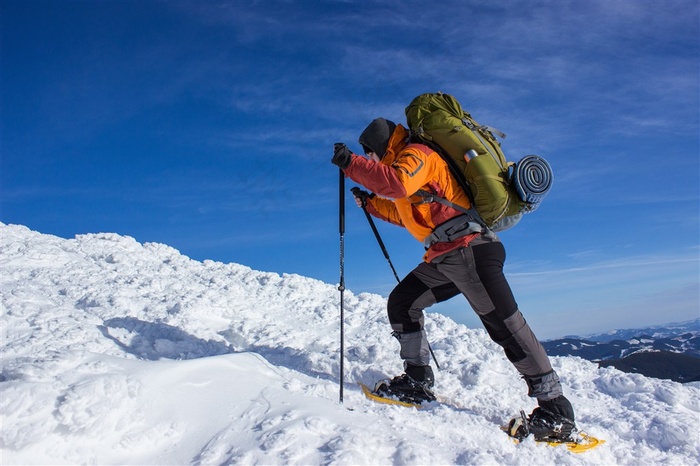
[
  {"x": 544, "y": 425},
  {"x": 421, "y": 374},
  {"x": 559, "y": 405},
  {"x": 548, "y": 426},
  {"x": 406, "y": 389}
]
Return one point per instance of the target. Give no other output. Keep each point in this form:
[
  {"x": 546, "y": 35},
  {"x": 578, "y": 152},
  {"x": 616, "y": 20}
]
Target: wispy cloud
[{"x": 627, "y": 263}]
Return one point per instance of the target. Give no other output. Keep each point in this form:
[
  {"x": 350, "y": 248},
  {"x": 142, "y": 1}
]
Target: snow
[{"x": 116, "y": 352}]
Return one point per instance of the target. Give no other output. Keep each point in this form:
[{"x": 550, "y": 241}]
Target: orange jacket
[{"x": 404, "y": 170}]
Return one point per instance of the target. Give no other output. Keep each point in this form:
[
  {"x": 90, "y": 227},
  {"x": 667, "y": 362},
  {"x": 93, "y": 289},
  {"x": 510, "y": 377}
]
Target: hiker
[{"x": 461, "y": 257}]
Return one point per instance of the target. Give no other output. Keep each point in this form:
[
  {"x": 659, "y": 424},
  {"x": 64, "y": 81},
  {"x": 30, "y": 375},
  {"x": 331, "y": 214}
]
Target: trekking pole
[
  {"x": 341, "y": 286},
  {"x": 355, "y": 192}
]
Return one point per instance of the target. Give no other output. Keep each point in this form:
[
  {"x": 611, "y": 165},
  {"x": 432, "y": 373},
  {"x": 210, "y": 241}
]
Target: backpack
[{"x": 500, "y": 191}]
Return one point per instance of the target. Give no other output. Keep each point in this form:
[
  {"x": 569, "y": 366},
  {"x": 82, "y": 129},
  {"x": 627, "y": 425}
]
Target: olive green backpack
[{"x": 499, "y": 190}]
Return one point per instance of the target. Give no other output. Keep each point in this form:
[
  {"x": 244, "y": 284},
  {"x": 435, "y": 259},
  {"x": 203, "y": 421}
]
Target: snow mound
[{"x": 117, "y": 352}]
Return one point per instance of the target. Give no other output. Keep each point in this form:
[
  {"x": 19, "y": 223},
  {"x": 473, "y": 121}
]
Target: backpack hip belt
[{"x": 453, "y": 229}]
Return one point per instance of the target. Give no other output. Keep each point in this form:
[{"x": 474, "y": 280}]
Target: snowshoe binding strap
[{"x": 518, "y": 427}]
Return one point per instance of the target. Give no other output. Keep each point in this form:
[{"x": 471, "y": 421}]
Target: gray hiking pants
[{"x": 476, "y": 272}]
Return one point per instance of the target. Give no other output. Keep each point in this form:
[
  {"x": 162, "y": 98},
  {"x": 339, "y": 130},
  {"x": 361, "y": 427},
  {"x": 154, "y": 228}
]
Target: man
[{"x": 461, "y": 257}]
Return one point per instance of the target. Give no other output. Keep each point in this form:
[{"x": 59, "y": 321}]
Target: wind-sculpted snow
[{"x": 115, "y": 352}]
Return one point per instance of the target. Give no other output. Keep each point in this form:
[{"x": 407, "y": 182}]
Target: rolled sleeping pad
[{"x": 533, "y": 179}]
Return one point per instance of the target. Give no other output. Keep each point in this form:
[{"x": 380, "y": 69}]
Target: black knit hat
[{"x": 376, "y": 136}]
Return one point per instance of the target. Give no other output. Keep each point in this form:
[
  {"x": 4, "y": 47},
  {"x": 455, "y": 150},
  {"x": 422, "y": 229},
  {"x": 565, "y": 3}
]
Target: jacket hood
[{"x": 375, "y": 137}]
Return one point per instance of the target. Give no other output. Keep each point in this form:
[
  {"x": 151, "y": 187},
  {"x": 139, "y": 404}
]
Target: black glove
[
  {"x": 361, "y": 195},
  {"x": 341, "y": 155}
]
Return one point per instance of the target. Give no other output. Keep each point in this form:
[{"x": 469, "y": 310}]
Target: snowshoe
[
  {"x": 405, "y": 389},
  {"x": 552, "y": 429}
]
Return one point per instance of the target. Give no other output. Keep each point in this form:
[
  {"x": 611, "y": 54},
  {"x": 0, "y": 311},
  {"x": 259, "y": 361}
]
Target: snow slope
[{"x": 116, "y": 352}]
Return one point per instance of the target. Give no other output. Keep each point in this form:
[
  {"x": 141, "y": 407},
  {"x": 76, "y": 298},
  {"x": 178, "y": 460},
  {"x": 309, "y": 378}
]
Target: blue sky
[{"x": 209, "y": 126}]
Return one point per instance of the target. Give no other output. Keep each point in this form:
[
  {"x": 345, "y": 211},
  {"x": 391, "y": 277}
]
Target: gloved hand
[
  {"x": 360, "y": 196},
  {"x": 341, "y": 155}
]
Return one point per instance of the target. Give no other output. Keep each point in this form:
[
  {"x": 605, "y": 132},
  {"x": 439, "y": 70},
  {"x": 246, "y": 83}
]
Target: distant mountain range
[{"x": 666, "y": 352}]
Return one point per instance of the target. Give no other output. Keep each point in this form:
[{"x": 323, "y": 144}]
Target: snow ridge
[{"x": 119, "y": 352}]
